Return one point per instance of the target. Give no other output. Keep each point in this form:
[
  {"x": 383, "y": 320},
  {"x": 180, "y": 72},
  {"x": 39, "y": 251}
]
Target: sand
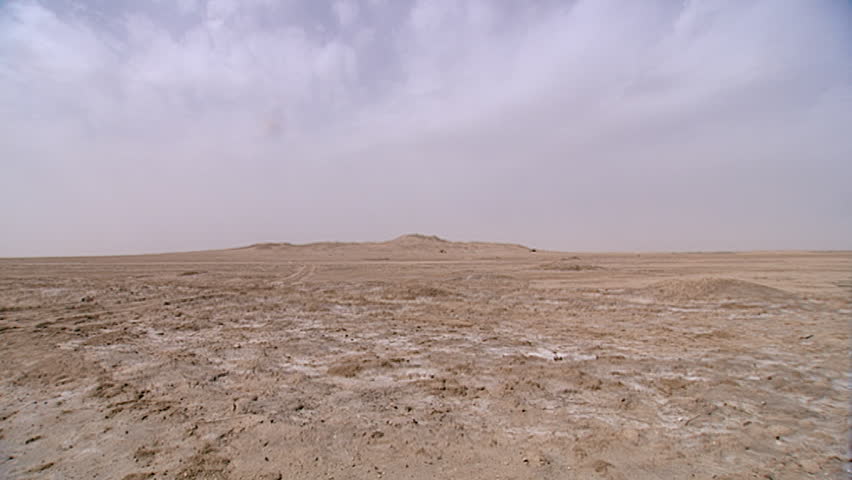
[{"x": 421, "y": 358}]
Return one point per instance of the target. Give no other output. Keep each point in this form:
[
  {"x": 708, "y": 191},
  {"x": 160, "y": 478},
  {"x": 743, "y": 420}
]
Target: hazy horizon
[
  {"x": 154, "y": 126},
  {"x": 468, "y": 240}
]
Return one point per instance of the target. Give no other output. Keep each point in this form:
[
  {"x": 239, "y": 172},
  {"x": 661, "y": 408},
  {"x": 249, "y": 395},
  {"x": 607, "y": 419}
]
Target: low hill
[
  {"x": 405, "y": 247},
  {"x": 715, "y": 289}
]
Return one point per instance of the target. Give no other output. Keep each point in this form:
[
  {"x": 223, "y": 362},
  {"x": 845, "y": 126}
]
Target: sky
[{"x": 154, "y": 125}]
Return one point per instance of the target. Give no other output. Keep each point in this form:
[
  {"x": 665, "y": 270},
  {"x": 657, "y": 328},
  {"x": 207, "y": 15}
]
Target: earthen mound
[
  {"x": 417, "y": 239},
  {"x": 567, "y": 266},
  {"x": 715, "y": 289}
]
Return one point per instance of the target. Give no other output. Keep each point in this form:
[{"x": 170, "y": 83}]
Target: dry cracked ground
[{"x": 420, "y": 358}]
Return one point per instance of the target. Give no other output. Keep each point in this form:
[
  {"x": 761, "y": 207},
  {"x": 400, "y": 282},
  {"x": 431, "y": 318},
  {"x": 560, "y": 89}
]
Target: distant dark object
[
  {"x": 443, "y": 251},
  {"x": 189, "y": 273},
  {"x": 532, "y": 250}
]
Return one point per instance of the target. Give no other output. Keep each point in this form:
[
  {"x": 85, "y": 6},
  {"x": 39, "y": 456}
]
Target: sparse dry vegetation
[{"x": 314, "y": 362}]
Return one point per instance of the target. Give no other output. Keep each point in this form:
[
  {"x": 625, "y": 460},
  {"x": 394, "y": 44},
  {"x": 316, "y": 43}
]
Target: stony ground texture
[{"x": 419, "y": 359}]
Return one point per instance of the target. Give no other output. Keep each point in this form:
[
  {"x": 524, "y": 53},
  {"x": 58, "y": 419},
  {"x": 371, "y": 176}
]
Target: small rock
[
  {"x": 779, "y": 431},
  {"x": 601, "y": 466}
]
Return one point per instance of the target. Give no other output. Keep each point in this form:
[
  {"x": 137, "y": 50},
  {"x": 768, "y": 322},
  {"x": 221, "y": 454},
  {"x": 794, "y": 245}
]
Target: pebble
[{"x": 778, "y": 431}]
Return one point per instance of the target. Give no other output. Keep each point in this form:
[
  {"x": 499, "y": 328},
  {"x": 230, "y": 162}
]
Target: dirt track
[{"x": 419, "y": 358}]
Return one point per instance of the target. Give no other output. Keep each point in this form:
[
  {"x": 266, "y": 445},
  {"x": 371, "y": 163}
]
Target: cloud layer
[{"x": 597, "y": 125}]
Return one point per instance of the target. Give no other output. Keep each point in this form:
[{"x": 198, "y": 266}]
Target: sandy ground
[{"x": 419, "y": 358}]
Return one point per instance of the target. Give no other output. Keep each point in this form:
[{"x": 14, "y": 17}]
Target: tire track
[{"x": 300, "y": 275}]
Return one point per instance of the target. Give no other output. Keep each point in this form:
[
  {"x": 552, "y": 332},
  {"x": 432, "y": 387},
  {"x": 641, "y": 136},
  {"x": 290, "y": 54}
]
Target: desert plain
[{"x": 420, "y": 358}]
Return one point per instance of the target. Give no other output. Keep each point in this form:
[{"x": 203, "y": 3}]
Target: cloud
[
  {"x": 585, "y": 125},
  {"x": 346, "y": 12},
  {"x": 187, "y": 6}
]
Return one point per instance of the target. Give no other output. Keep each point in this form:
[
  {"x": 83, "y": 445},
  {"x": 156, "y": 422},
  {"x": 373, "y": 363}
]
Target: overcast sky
[{"x": 143, "y": 126}]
